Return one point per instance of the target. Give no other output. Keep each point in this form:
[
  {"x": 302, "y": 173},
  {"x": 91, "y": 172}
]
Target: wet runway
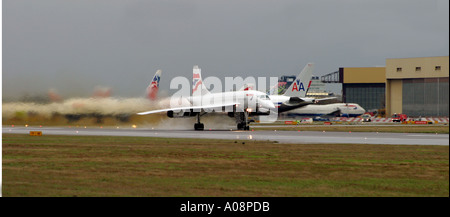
[{"x": 279, "y": 136}]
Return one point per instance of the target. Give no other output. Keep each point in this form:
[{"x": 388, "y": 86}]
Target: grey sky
[{"x": 75, "y": 45}]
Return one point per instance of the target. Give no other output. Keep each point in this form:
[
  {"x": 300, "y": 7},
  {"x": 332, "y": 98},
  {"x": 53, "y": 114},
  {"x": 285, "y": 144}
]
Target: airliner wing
[
  {"x": 323, "y": 99},
  {"x": 335, "y": 113},
  {"x": 188, "y": 108}
]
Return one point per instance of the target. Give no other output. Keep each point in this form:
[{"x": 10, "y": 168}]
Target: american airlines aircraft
[
  {"x": 237, "y": 104},
  {"x": 295, "y": 95},
  {"x": 152, "y": 89}
]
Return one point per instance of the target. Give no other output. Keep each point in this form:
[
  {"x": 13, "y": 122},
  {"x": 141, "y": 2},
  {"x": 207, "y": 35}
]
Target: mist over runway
[{"x": 293, "y": 137}]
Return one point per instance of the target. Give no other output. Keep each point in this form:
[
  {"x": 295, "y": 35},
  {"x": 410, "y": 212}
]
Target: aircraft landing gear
[
  {"x": 242, "y": 121},
  {"x": 243, "y": 126},
  {"x": 198, "y": 125}
]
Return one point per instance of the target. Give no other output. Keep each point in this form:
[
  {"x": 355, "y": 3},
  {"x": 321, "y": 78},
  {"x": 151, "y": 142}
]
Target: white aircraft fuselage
[
  {"x": 251, "y": 99},
  {"x": 313, "y": 110}
]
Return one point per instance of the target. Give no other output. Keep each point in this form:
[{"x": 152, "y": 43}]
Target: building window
[
  {"x": 399, "y": 69},
  {"x": 418, "y": 69},
  {"x": 437, "y": 68}
]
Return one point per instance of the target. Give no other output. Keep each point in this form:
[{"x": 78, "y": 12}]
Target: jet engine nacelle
[
  {"x": 254, "y": 110},
  {"x": 259, "y": 110},
  {"x": 181, "y": 114}
]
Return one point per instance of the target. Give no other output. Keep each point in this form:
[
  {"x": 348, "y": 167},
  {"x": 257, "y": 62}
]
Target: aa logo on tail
[
  {"x": 298, "y": 85},
  {"x": 155, "y": 82}
]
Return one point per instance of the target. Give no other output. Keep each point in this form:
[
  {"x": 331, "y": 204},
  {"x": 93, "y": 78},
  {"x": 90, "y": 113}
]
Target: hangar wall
[
  {"x": 364, "y": 86},
  {"x": 364, "y": 75},
  {"x": 413, "y": 86},
  {"x": 417, "y": 86},
  {"x": 394, "y": 101}
]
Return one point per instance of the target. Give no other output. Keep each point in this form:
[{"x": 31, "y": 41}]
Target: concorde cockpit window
[{"x": 264, "y": 97}]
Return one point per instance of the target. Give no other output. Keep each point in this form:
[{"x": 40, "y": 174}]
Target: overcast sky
[{"x": 75, "y": 45}]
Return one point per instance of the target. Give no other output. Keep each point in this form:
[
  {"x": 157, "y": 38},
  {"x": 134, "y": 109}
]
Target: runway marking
[
  {"x": 432, "y": 135},
  {"x": 303, "y": 137}
]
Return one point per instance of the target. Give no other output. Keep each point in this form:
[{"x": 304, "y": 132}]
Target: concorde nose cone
[{"x": 267, "y": 104}]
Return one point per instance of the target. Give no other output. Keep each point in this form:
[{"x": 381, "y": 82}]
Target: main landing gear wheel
[
  {"x": 243, "y": 126},
  {"x": 199, "y": 126},
  {"x": 240, "y": 127},
  {"x": 242, "y": 120}
]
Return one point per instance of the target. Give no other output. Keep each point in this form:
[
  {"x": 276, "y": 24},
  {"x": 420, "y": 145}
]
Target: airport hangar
[{"x": 412, "y": 86}]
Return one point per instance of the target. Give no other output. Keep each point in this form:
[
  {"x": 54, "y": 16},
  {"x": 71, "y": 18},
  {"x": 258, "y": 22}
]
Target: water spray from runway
[
  {"x": 48, "y": 113},
  {"x": 108, "y": 112},
  {"x": 216, "y": 121}
]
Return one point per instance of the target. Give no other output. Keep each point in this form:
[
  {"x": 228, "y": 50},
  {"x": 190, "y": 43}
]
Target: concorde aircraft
[{"x": 237, "y": 104}]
